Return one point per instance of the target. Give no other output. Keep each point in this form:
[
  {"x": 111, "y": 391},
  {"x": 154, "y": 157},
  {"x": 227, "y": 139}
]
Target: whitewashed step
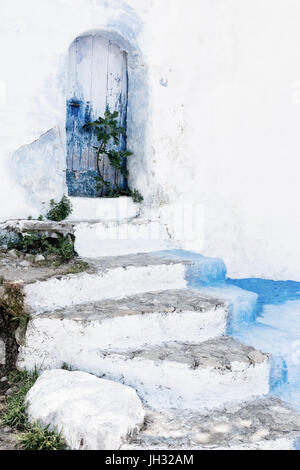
[
  {"x": 116, "y": 238},
  {"x": 100, "y": 209},
  {"x": 99, "y": 238},
  {"x": 110, "y": 277},
  {"x": 183, "y": 376},
  {"x": 122, "y": 325},
  {"x": 261, "y": 424}
]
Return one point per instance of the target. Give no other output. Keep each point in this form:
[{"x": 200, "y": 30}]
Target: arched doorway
[{"x": 97, "y": 81}]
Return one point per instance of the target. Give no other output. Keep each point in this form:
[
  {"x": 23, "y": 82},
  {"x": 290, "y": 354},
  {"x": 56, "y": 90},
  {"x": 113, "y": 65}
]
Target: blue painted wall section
[
  {"x": 202, "y": 271},
  {"x": 263, "y": 313}
]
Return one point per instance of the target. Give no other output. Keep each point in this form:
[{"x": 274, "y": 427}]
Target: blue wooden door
[{"x": 97, "y": 80}]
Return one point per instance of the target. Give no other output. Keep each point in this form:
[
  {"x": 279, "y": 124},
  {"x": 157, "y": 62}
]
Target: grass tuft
[
  {"x": 31, "y": 436},
  {"x": 38, "y": 438},
  {"x": 15, "y": 415}
]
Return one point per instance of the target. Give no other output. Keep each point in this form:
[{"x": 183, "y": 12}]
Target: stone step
[
  {"x": 106, "y": 278},
  {"x": 49, "y": 288},
  {"x": 121, "y": 325},
  {"x": 116, "y": 238},
  {"x": 261, "y": 424},
  {"x": 98, "y": 238},
  {"x": 176, "y": 375},
  {"x": 100, "y": 209}
]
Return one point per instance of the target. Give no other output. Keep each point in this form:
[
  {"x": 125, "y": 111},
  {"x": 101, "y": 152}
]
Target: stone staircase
[{"x": 159, "y": 323}]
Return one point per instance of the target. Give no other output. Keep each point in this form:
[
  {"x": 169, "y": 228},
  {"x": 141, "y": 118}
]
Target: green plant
[
  {"x": 38, "y": 438},
  {"x": 36, "y": 243},
  {"x": 32, "y": 436},
  {"x": 107, "y": 131},
  {"x": 15, "y": 414},
  {"x": 59, "y": 211},
  {"x": 136, "y": 196}
]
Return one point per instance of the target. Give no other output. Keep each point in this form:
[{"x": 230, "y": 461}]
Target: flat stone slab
[
  {"x": 221, "y": 354},
  {"x": 265, "y": 423},
  {"x": 164, "y": 302},
  {"x": 138, "y": 260},
  {"x": 42, "y": 226},
  {"x": 11, "y": 269},
  {"x": 121, "y": 325},
  {"x": 91, "y": 413}
]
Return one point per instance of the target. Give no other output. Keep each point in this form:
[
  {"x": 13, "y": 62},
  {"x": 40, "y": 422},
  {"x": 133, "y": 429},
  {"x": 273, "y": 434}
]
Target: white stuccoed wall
[{"x": 221, "y": 130}]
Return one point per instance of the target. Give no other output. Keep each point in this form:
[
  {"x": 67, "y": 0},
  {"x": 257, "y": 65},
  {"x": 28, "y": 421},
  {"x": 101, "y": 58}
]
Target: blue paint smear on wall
[
  {"x": 270, "y": 292},
  {"x": 276, "y": 331},
  {"x": 202, "y": 271},
  {"x": 264, "y": 314}
]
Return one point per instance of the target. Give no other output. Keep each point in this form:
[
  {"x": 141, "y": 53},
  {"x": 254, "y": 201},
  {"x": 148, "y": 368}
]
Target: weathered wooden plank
[
  {"x": 83, "y": 93},
  {"x": 98, "y": 88},
  {"x": 116, "y": 98},
  {"x": 115, "y": 81},
  {"x": 71, "y": 87}
]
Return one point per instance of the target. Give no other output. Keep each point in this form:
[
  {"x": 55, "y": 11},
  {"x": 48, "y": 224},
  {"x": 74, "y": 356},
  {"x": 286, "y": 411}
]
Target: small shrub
[
  {"x": 107, "y": 131},
  {"x": 136, "y": 196},
  {"x": 59, "y": 210}
]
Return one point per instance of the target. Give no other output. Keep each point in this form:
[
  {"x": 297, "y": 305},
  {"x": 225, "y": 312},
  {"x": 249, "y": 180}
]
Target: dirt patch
[
  {"x": 8, "y": 436},
  {"x": 18, "y": 267},
  {"x": 8, "y": 327}
]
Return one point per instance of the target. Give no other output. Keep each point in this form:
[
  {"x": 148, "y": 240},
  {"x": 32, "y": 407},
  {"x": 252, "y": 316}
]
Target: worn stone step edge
[
  {"x": 174, "y": 375},
  {"x": 120, "y": 325}
]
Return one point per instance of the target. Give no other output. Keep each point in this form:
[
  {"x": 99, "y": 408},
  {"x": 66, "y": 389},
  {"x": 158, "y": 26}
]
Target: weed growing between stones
[
  {"x": 59, "y": 211},
  {"x": 15, "y": 415},
  {"x": 38, "y": 438},
  {"x": 31, "y": 436}
]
